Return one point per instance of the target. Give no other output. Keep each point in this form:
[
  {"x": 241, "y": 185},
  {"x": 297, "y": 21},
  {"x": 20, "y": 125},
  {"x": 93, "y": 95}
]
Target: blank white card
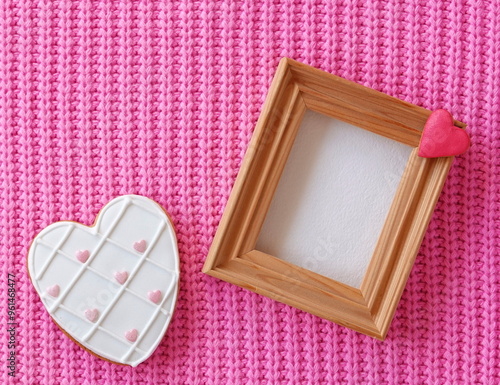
[{"x": 333, "y": 198}]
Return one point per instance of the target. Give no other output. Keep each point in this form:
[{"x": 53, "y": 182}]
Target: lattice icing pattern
[{"x": 113, "y": 286}]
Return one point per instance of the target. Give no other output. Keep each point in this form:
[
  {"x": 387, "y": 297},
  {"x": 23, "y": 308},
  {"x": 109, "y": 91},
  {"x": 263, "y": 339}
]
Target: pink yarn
[{"x": 160, "y": 98}]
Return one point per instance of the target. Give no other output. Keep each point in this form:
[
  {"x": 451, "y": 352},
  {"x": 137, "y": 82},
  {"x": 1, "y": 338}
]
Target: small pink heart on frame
[{"x": 441, "y": 137}]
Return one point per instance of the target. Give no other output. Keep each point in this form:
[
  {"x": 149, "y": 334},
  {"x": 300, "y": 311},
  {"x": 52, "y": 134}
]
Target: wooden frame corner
[{"x": 370, "y": 308}]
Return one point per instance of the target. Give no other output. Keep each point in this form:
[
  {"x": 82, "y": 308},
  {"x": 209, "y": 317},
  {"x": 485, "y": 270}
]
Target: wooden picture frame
[{"x": 370, "y": 308}]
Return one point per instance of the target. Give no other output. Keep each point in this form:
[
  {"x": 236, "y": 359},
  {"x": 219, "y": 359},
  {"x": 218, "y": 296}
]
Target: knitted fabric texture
[{"x": 160, "y": 98}]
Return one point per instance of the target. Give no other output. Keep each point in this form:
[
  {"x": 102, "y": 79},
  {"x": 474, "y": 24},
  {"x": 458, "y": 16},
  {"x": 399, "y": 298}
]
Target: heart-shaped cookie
[
  {"x": 441, "y": 137},
  {"x": 103, "y": 300}
]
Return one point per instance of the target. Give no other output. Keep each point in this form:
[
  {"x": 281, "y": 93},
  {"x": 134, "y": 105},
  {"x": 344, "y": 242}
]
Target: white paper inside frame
[{"x": 333, "y": 198}]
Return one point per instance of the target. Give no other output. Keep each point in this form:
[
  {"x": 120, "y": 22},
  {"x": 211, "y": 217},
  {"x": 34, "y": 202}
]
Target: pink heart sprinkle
[
  {"x": 154, "y": 296},
  {"x": 131, "y": 335},
  {"x": 121, "y": 276},
  {"x": 140, "y": 246},
  {"x": 53, "y": 290},
  {"x": 91, "y": 314},
  {"x": 82, "y": 255}
]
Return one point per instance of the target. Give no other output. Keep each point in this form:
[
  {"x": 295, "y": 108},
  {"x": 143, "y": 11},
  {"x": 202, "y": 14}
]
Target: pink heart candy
[
  {"x": 441, "y": 137},
  {"x": 140, "y": 246},
  {"x": 91, "y": 314},
  {"x": 154, "y": 296},
  {"x": 82, "y": 255},
  {"x": 53, "y": 290},
  {"x": 131, "y": 335},
  {"x": 121, "y": 276}
]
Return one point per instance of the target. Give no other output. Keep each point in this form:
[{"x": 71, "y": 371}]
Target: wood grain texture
[{"x": 232, "y": 256}]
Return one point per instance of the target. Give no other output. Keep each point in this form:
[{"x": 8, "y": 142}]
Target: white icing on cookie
[{"x": 112, "y": 287}]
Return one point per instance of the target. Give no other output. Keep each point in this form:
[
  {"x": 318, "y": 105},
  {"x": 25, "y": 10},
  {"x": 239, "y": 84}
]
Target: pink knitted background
[{"x": 160, "y": 98}]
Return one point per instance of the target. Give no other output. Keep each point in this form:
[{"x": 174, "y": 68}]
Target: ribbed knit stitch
[{"x": 160, "y": 98}]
